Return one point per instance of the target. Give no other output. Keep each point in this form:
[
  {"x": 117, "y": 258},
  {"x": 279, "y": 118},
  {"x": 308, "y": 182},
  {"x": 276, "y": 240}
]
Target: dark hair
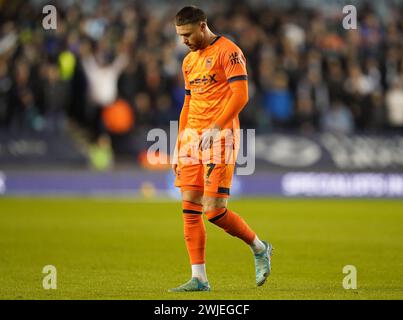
[{"x": 190, "y": 14}]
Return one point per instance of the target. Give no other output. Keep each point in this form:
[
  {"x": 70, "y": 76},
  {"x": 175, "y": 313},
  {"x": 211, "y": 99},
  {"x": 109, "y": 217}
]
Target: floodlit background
[
  {"x": 323, "y": 100},
  {"x": 76, "y": 104}
]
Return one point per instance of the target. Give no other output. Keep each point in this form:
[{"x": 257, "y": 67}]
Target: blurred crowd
[{"x": 307, "y": 73}]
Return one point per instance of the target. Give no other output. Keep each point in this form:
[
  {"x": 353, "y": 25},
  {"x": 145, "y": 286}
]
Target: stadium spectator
[
  {"x": 377, "y": 112},
  {"x": 164, "y": 111},
  {"x": 306, "y": 116},
  {"x": 298, "y": 60},
  {"x": 143, "y": 110},
  {"x": 394, "y": 104},
  {"x": 358, "y": 87},
  {"x": 313, "y": 86},
  {"x": 102, "y": 71},
  {"x": 335, "y": 77},
  {"x": 56, "y": 94},
  {"x": 23, "y": 111},
  {"x": 278, "y": 101},
  {"x": 338, "y": 119},
  {"x": 5, "y": 86}
]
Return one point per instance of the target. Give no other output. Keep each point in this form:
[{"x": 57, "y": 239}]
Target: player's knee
[
  {"x": 192, "y": 196},
  {"x": 212, "y": 203},
  {"x": 214, "y": 208}
]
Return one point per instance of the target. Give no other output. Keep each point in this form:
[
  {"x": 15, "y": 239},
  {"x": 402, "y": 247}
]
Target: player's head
[{"x": 191, "y": 25}]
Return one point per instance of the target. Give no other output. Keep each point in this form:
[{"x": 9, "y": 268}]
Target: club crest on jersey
[{"x": 209, "y": 62}]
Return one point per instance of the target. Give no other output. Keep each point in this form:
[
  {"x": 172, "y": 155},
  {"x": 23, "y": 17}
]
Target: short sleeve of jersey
[
  {"x": 185, "y": 75},
  {"x": 234, "y": 63}
]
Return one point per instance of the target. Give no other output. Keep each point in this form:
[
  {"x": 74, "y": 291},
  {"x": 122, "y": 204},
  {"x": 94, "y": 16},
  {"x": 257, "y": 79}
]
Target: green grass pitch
[{"x": 117, "y": 249}]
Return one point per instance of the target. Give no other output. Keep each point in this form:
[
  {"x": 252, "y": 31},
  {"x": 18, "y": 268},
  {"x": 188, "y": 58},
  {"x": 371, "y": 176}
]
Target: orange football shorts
[{"x": 209, "y": 171}]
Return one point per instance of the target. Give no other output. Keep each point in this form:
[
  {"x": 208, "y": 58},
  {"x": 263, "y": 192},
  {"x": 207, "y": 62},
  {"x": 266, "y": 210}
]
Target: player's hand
[
  {"x": 174, "y": 167},
  {"x": 208, "y": 136}
]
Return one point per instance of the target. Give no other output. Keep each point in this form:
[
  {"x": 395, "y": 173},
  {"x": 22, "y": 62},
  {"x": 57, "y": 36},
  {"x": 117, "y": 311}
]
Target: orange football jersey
[{"x": 207, "y": 75}]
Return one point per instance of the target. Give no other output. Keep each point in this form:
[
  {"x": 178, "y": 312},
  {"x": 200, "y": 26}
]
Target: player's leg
[
  {"x": 189, "y": 178},
  {"x": 195, "y": 239},
  {"x": 195, "y": 232},
  {"x": 218, "y": 213},
  {"x": 215, "y": 206}
]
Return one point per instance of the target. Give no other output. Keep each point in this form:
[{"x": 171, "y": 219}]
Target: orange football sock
[
  {"x": 194, "y": 231},
  {"x": 232, "y": 224}
]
